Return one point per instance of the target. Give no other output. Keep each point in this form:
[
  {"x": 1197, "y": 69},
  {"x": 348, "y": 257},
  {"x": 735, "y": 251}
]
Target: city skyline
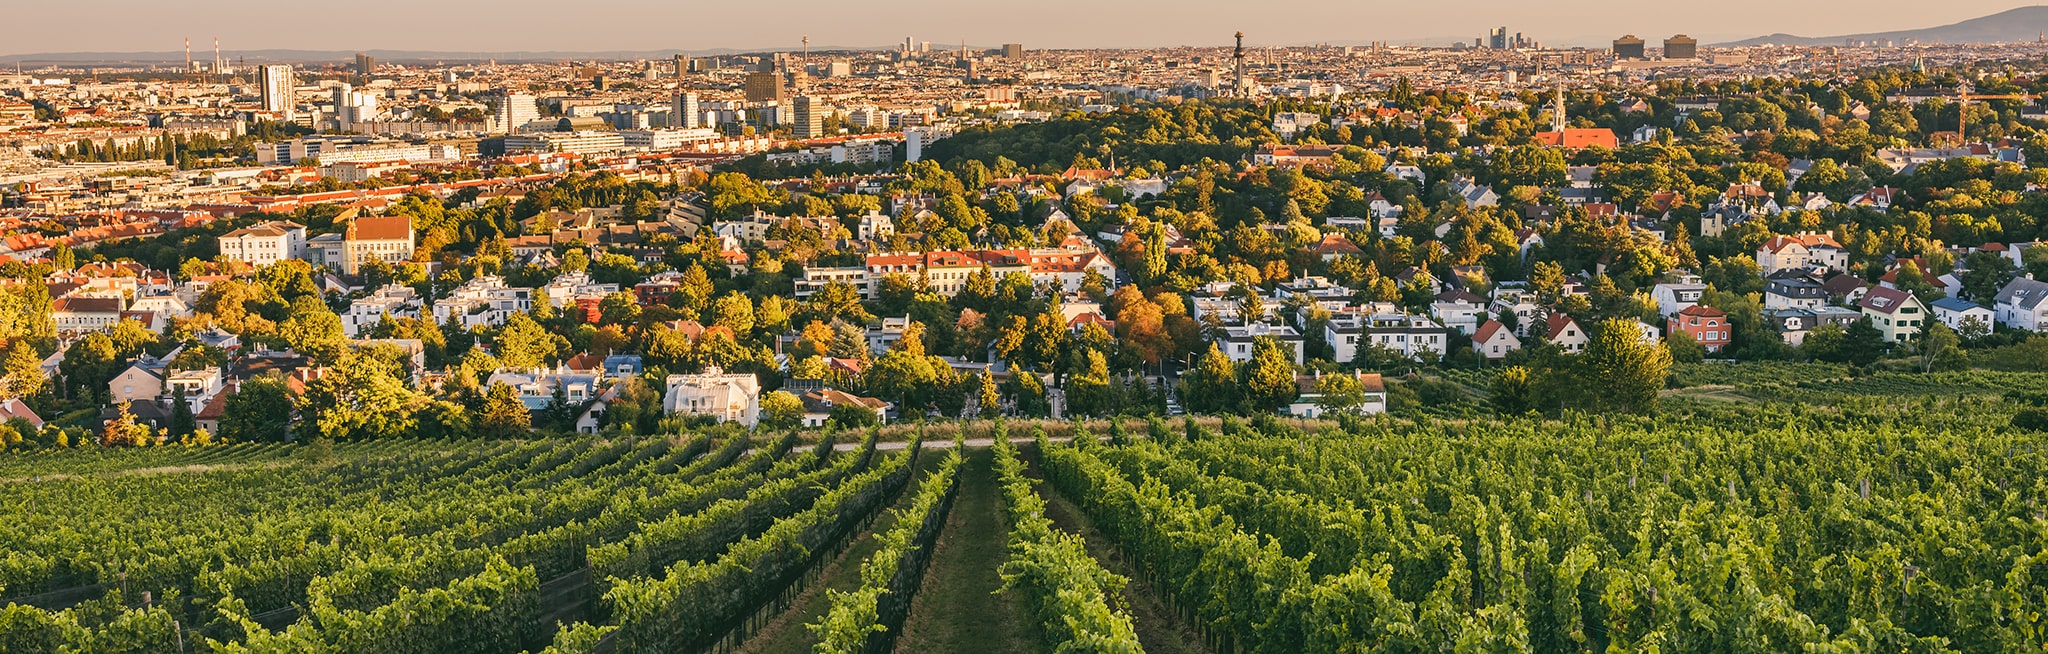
[{"x": 129, "y": 26}]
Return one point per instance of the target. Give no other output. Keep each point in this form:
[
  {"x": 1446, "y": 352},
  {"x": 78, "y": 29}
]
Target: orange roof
[
  {"x": 387, "y": 228},
  {"x": 1580, "y": 137}
]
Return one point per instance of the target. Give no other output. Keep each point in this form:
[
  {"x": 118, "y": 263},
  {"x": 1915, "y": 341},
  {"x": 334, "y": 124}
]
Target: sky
[{"x": 620, "y": 25}]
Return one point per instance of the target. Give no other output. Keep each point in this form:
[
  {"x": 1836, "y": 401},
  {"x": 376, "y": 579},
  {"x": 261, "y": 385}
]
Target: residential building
[
  {"x": 1238, "y": 341},
  {"x": 2023, "y": 304},
  {"x": 483, "y": 301},
  {"x": 1897, "y": 314},
  {"x": 385, "y": 238},
  {"x": 392, "y": 300},
  {"x": 1807, "y": 250},
  {"x": 724, "y": 397},
  {"x": 1309, "y": 403},
  {"x": 264, "y": 243},
  {"x": 1494, "y": 341},
  {"x": 1954, "y": 312},
  {"x": 77, "y": 315},
  {"x": 1678, "y": 296},
  {"x": 1794, "y": 292},
  {"x": 1565, "y": 333},
  {"x": 818, "y": 405},
  {"x": 1707, "y": 326}
]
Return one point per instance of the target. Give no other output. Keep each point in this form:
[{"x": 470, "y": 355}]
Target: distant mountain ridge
[{"x": 2010, "y": 26}]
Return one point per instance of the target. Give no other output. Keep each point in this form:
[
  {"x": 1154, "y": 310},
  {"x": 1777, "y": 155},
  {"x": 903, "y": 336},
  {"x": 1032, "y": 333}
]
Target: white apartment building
[
  {"x": 392, "y": 300},
  {"x": 483, "y": 302},
  {"x": 264, "y": 243},
  {"x": 725, "y": 397}
]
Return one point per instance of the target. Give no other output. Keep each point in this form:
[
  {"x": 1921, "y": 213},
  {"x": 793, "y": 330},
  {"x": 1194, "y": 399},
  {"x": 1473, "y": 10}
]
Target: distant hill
[{"x": 2012, "y": 26}]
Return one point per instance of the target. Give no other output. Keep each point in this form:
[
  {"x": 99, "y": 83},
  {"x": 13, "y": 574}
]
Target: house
[
  {"x": 264, "y": 243},
  {"x": 2023, "y": 304},
  {"x": 1413, "y": 337},
  {"x": 1308, "y": 404},
  {"x": 77, "y": 315},
  {"x": 1238, "y": 341},
  {"x": 818, "y": 405},
  {"x": 137, "y": 383},
  {"x": 724, "y": 397},
  {"x": 1678, "y": 296},
  {"x": 1794, "y": 292},
  {"x": 1896, "y": 314},
  {"x": 1706, "y": 325},
  {"x": 385, "y": 238},
  {"x": 392, "y": 300},
  {"x": 1954, "y": 312},
  {"x": 536, "y": 388},
  {"x": 1474, "y": 195},
  {"x": 197, "y": 386},
  {"x": 1805, "y": 250},
  {"x": 1494, "y": 340},
  {"x": 1336, "y": 245},
  {"x": 13, "y": 408},
  {"x": 1564, "y": 332}
]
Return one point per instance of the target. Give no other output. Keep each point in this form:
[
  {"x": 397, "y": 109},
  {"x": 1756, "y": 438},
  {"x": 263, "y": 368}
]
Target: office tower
[
  {"x": 913, "y": 145},
  {"x": 684, "y": 112},
  {"x": 1013, "y": 51},
  {"x": 1628, "y": 47},
  {"x": 810, "y": 118},
  {"x": 1498, "y": 38},
  {"x": 344, "y": 101},
  {"x": 767, "y": 84},
  {"x": 366, "y": 66},
  {"x": 682, "y": 65},
  {"x": 515, "y": 110},
  {"x": 1681, "y": 47},
  {"x": 278, "y": 85}
]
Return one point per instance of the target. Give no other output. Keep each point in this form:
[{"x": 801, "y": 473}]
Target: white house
[
  {"x": 1955, "y": 311},
  {"x": 392, "y": 300},
  {"x": 1494, "y": 340},
  {"x": 1565, "y": 332},
  {"x": 264, "y": 243},
  {"x": 1806, "y": 250},
  {"x": 727, "y": 398},
  {"x": 1238, "y": 340},
  {"x": 1308, "y": 403},
  {"x": 1679, "y": 296},
  {"x": 2023, "y": 304}
]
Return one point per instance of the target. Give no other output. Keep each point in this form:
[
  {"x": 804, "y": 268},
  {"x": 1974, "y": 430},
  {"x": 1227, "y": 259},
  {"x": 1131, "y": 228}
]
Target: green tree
[
  {"x": 1212, "y": 387},
  {"x": 504, "y": 416},
  {"x": 260, "y": 410},
  {"x": 523, "y": 343},
  {"x": 313, "y": 330},
  {"x": 849, "y": 415},
  {"x": 1624, "y": 372},
  {"x": 781, "y": 410},
  {"x": 1269, "y": 377}
]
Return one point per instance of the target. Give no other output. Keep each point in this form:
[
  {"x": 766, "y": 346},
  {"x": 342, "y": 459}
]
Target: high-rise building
[
  {"x": 810, "y": 117},
  {"x": 1498, "y": 38},
  {"x": 767, "y": 85},
  {"x": 682, "y": 65},
  {"x": 351, "y": 107},
  {"x": 1628, "y": 47},
  {"x": 1681, "y": 47},
  {"x": 1013, "y": 51},
  {"x": 514, "y": 110},
  {"x": 684, "y": 112},
  {"x": 366, "y": 65},
  {"x": 278, "y": 84}
]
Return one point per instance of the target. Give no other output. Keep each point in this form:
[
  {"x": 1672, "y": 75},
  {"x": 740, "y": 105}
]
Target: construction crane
[{"x": 1963, "y": 98}]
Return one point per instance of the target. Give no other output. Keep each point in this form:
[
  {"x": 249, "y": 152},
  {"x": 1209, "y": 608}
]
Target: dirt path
[{"x": 959, "y": 607}]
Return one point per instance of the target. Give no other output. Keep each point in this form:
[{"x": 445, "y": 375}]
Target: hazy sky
[{"x": 529, "y": 25}]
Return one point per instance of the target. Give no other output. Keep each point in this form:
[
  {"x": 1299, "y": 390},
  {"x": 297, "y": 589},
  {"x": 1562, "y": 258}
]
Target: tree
[
  {"x": 1625, "y": 372},
  {"x": 22, "y": 374},
  {"x": 504, "y": 416},
  {"x": 734, "y": 311},
  {"x": 361, "y": 397},
  {"x": 1211, "y": 387},
  {"x": 1514, "y": 390},
  {"x": 259, "y": 411},
  {"x": 124, "y": 431},
  {"x": 1862, "y": 343},
  {"x": 1937, "y": 344},
  {"x": 1269, "y": 377},
  {"x": 781, "y": 410},
  {"x": 182, "y": 422},
  {"x": 523, "y": 343},
  {"x": 1339, "y": 393},
  {"x": 1988, "y": 272},
  {"x": 1683, "y": 348},
  {"x": 313, "y": 330},
  {"x": 848, "y": 415}
]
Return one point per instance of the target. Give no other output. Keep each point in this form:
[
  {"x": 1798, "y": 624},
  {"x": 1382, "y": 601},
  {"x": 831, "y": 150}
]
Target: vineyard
[{"x": 1867, "y": 527}]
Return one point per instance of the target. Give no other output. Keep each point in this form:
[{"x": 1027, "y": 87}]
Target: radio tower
[
  {"x": 188, "y": 55},
  {"x": 1237, "y": 77},
  {"x": 216, "y": 59}
]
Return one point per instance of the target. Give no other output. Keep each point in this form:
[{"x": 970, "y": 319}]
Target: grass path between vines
[
  {"x": 789, "y": 632},
  {"x": 1159, "y": 629},
  {"x": 958, "y": 607}
]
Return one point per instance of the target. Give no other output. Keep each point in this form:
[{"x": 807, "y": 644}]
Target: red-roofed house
[
  {"x": 1576, "y": 138},
  {"x": 388, "y": 238},
  {"x": 1706, "y": 325},
  {"x": 1805, "y": 250},
  {"x": 1494, "y": 340},
  {"x": 1564, "y": 332}
]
